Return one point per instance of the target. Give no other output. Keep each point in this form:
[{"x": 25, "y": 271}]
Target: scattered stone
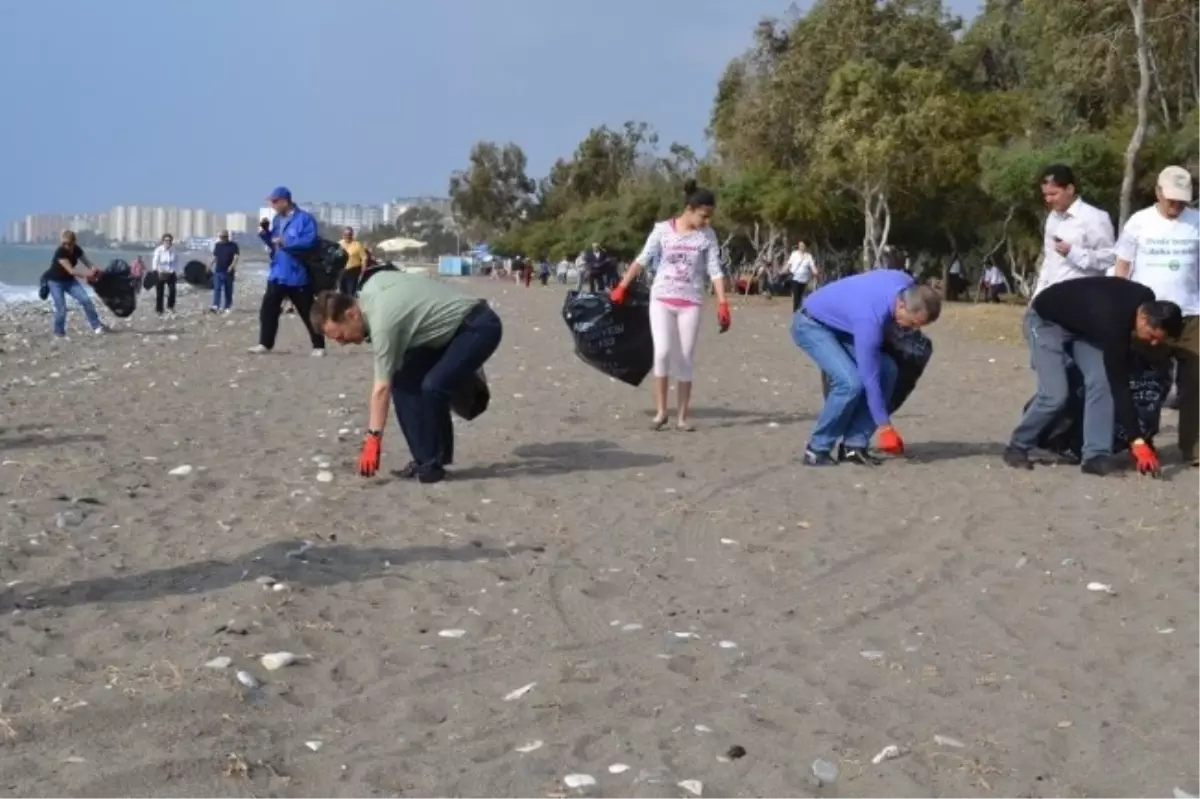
[
  {"x": 234, "y": 627},
  {"x": 824, "y": 771},
  {"x": 530, "y": 746},
  {"x": 727, "y": 645},
  {"x": 728, "y": 541},
  {"x": 1062, "y": 725},
  {"x": 946, "y": 740},
  {"x": 579, "y": 780},
  {"x": 265, "y": 580},
  {"x": 736, "y": 752},
  {"x": 279, "y": 587},
  {"x": 631, "y": 627},
  {"x": 324, "y": 476},
  {"x": 519, "y": 692},
  {"x": 618, "y": 768},
  {"x": 702, "y": 728},
  {"x": 67, "y": 518},
  {"x": 74, "y": 759},
  {"x": 277, "y": 660},
  {"x": 451, "y": 633},
  {"x": 1101, "y": 588},
  {"x": 221, "y": 662},
  {"x": 247, "y": 679},
  {"x": 314, "y": 745},
  {"x": 872, "y": 654},
  {"x": 889, "y": 752},
  {"x": 181, "y": 471},
  {"x": 694, "y": 787}
]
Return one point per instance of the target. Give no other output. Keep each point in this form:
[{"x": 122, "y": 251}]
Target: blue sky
[{"x": 210, "y": 103}]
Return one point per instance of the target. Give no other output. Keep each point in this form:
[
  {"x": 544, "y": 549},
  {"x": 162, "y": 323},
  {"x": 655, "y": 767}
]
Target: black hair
[
  {"x": 1165, "y": 316},
  {"x": 1060, "y": 175},
  {"x": 698, "y": 197}
]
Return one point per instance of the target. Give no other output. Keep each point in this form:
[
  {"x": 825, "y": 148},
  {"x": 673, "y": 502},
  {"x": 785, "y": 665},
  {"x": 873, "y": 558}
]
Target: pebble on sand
[
  {"x": 694, "y": 787},
  {"x": 728, "y": 645},
  {"x": 324, "y": 476},
  {"x": 519, "y": 692},
  {"x": 247, "y": 679},
  {"x": 530, "y": 746},
  {"x": 181, "y": 471},
  {"x": 946, "y": 740},
  {"x": 618, "y": 768},
  {"x": 277, "y": 660},
  {"x": 579, "y": 780},
  {"x": 451, "y": 633},
  {"x": 313, "y": 745},
  {"x": 889, "y": 752},
  {"x": 221, "y": 662}
]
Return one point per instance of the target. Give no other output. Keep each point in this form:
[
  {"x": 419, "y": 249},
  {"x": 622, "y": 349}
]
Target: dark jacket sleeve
[{"x": 1116, "y": 367}]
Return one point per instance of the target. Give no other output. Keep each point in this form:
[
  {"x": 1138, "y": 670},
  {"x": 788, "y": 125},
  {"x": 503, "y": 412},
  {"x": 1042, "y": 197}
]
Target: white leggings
[{"x": 674, "y": 329}]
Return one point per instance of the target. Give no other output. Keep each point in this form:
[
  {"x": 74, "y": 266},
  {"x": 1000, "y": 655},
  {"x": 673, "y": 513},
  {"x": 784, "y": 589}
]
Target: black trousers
[
  {"x": 272, "y": 309},
  {"x": 348, "y": 281},
  {"x": 165, "y": 284},
  {"x": 422, "y": 387},
  {"x": 797, "y": 294}
]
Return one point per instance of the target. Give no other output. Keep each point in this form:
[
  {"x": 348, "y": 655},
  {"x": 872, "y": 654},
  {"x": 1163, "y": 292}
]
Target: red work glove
[
  {"x": 1146, "y": 458},
  {"x": 890, "y": 441},
  {"x": 368, "y": 459},
  {"x": 724, "y": 318},
  {"x": 617, "y": 295}
]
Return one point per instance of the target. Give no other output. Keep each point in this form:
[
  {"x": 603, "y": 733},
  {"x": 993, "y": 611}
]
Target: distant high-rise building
[
  {"x": 237, "y": 222},
  {"x": 185, "y": 228}
]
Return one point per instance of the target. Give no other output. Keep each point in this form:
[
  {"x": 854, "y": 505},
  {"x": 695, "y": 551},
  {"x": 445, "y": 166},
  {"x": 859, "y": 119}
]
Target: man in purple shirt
[{"x": 841, "y": 326}]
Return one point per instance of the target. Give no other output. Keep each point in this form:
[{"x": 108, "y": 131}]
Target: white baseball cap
[{"x": 1175, "y": 183}]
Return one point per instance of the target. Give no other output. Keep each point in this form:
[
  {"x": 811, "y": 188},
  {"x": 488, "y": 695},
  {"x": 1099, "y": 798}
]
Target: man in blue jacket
[
  {"x": 287, "y": 236},
  {"x": 842, "y": 326}
]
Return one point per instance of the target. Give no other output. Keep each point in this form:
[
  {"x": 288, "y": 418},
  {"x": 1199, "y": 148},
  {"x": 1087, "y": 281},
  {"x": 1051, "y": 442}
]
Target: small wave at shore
[{"x": 24, "y": 294}]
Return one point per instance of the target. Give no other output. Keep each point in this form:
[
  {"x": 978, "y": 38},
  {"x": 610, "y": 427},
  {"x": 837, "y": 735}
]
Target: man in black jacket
[{"x": 1093, "y": 320}]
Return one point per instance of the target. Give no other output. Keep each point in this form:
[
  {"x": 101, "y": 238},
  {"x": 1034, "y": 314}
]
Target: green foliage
[{"x": 862, "y": 120}]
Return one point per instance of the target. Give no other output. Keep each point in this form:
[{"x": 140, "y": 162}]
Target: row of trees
[{"x": 864, "y": 122}]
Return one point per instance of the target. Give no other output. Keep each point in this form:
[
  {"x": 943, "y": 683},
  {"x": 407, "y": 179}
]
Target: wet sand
[{"x": 668, "y": 596}]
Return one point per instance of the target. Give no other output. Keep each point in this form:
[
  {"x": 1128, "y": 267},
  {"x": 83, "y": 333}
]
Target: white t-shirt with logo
[
  {"x": 682, "y": 260},
  {"x": 1165, "y": 255}
]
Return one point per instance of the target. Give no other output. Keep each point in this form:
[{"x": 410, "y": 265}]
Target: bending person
[
  {"x": 428, "y": 340},
  {"x": 685, "y": 249},
  {"x": 1096, "y": 317},
  {"x": 842, "y": 326}
]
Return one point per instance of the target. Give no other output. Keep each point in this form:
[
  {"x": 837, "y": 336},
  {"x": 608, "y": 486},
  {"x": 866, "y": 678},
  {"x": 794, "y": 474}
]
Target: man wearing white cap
[{"x": 1160, "y": 248}]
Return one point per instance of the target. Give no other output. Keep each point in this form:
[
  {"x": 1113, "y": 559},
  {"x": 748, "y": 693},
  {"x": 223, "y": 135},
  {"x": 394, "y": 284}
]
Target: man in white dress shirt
[
  {"x": 1160, "y": 248},
  {"x": 803, "y": 269}
]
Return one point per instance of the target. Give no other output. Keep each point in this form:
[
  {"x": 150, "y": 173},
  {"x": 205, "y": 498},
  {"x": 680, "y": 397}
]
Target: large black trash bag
[
  {"x": 911, "y": 350},
  {"x": 195, "y": 273},
  {"x": 612, "y": 338},
  {"x": 471, "y": 399},
  {"x": 44, "y": 285},
  {"x": 1149, "y": 382},
  {"x": 324, "y": 262},
  {"x": 149, "y": 280},
  {"x": 117, "y": 288}
]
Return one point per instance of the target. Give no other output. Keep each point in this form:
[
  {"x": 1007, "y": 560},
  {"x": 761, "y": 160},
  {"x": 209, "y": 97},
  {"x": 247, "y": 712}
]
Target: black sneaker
[
  {"x": 1100, "y": 466},
  {"x": 431, "y": 474},
  {"x": 858, "y": 455},
  {"x": 408, "y": 472},
  {"x": 814, "y": 458},
  {"x": 1016, "y": 458}
]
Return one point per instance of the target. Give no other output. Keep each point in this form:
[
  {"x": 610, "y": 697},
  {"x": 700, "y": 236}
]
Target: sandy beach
[{"x": 666, "y": 613}]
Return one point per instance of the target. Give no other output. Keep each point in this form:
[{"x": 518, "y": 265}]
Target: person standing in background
[
  {"x": 355, "y": 261},
  {"x": 292, "y": 231},
  {"x": 994, "y": 282},
  {"x": 803, "y": 269},
  {"x": 164, "y": 261},
  {"x": 1160, "y": 248},
  {"x": 222, "y": 267},
  {"x": 62, "y": 280}
]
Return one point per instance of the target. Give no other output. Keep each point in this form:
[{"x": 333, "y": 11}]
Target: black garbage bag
[
  {"x": 44, "y": 286},
  {"x": 149, "y": 280},
  {"x": 1148, "y": 381},
  {"x": 324, "y": 262},
  {"x": 471, "y": 399},
  {"x": 195, "y": 273},
  {"x": 911, "y": 350},
  {"x": 117, "y": 288},
  {"x": 614, "y": 339}
]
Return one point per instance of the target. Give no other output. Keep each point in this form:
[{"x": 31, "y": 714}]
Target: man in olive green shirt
[{"x": 428, "y": 340}]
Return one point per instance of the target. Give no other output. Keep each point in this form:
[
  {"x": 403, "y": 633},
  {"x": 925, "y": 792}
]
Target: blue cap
[{"x": 280, "y": 193}]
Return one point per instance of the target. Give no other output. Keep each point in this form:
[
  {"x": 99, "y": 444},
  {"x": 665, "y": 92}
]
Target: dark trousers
[
  {"x": 797, "y": 294},
  {"x": 595, "y": 281},
  {"x": 422, "y": 387},
  {"x": 165, "y": 284},
  {"x": 272, "y": 308},
  {"x": 348, "y": 281},
  {"x": 1184, "y": 353}
]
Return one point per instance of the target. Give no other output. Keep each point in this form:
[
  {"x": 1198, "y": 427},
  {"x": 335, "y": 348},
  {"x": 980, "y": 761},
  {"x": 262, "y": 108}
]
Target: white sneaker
[
  {"x": 318, "y": 353},
  {"x": 99, "y": 331},
  {"x": 258, "y": 349},
  {"x": 227, "y": 311}
]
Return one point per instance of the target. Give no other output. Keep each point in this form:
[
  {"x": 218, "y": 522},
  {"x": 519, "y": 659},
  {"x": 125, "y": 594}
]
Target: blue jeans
[
  {"x": 423, "y": 385},
  {"x": 845, "y": 414},
  {"x": 1051, "y": 350},
  {"x": 222, "y": 289},
  {"x": 58, "y": 295}
]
